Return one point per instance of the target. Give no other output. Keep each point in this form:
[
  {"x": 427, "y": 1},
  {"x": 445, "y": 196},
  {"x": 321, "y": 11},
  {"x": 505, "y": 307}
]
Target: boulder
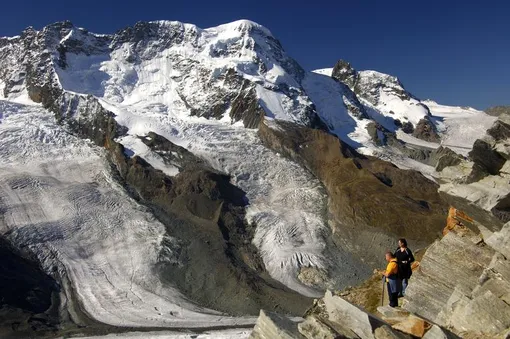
[
  {"x": 486, "y": 158},
  {"x": 314, "y": 328},
  {"x": 412, "y": 325},
  {"x": 501, "y": 128},
  {"x": 350, "y": 316},
  {"x": 485, "y": 313},
  {"x": 273, "y": 326},
  {"x": 393, "y": 315},
  {"x": 500, "y": 241},
  {"x": 446, "y": 158}
]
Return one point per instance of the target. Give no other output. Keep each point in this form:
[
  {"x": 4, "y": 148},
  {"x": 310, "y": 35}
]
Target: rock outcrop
[
  {"x": 344, "y": 72},
  {"x": 332, "y": 317},
  {"x": 29, "y": 298},
  {"x": 426, "y": 130},
  {"x": 483, "y": 179},
  {"x": 498, "y": 110},
  {"x": 463, "y": 283}
]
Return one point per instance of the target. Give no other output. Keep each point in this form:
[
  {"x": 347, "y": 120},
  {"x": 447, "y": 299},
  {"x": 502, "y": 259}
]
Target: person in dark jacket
[
  {"x": 391, "y": 275},
  {"x": 404, "y": 259}
]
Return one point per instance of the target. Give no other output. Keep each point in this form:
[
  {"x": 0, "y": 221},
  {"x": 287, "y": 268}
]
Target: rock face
[
  {"x": 344, "y": 72},
  {"x": 426, "y": 130},
  {"x": 485, "y": 158},
  {"x": 462, "y": 283},
  {"x": 446, "y": 158},
  {"x": 366, "y": 194},
  {"x": 271, "y": 325},
  {"x": 483, "y": 179},
  {"x": 28, "y": 296},
  {"x": 498, "y": 110}
]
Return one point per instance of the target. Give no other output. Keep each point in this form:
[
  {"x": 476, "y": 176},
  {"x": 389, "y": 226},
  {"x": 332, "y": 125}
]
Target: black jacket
[{"x": 404, "y": 260}]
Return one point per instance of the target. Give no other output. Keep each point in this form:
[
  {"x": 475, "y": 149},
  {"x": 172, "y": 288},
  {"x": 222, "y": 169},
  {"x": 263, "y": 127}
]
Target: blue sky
[{"x": 451, "y": 51}]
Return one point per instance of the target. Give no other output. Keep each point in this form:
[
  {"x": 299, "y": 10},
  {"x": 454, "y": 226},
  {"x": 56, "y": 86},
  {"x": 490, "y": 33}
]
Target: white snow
[
  {"x": 324, "y": 71},
  {"x": 328, "y": 96},
  {"x": 287, "y": 208},
  {"x": 459, "y": 127},
  {"x": 148, "y": 96},
  {"x": 133, "y": 144}
]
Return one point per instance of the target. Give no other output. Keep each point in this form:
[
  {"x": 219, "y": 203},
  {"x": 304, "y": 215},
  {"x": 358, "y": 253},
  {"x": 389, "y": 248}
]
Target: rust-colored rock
[
  {"x": 454, "y": 221},
  {"x": 413, "y": 326}
]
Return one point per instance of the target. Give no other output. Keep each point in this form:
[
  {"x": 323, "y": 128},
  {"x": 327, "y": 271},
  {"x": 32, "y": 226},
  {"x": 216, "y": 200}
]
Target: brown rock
[
  {"x": 425, "y": 130},
  {"x": 412, "y": 325}
]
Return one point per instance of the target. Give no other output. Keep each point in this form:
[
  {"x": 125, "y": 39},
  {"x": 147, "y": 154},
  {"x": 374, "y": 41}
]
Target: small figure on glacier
[
  {"x": 391, "y": 275},
  {"x": 404, "y": 259}
]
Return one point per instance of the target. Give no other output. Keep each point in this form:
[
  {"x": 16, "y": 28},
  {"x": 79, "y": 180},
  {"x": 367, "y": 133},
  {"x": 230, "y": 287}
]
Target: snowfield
[{"x": 459, "y": 127}]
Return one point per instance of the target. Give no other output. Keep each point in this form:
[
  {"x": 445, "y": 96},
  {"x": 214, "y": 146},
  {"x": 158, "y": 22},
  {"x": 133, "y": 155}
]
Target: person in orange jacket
[{"x": 391, "y": 275}]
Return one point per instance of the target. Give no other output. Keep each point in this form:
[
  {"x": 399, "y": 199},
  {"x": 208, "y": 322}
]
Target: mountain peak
[
  {"x": 344, "y": 72},
  {"x": 244, "y": 26}
]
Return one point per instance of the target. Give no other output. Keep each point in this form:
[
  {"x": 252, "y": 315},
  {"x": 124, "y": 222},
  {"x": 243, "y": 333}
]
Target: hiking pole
[{"x": 383, "y": 285}]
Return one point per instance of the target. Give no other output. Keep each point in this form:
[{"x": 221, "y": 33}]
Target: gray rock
[
  {"x": 446, "y": 158},
  {"x": 273, "y": 326},
  {"x": 350, "y": 316},
  {"x": 314, "y": 328},
  {"x": 501, "y": 128},
  {"x": 385, "y": 332},
  {"x": 344, "y": 72},
  {"x": 392, "y": 312},
  {"x": 486, "y": 314},
  {"x": 435, "y": 332},
  {"x": 486, "y": 158},
  {"x": 500, "y": 240},
  {"x": 498, "y": 110},
  {"x": 454, "y": 262}
]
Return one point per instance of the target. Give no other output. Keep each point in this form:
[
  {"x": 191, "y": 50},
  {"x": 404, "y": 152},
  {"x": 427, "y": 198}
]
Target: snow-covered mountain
[{"x": 185, "y": 186}]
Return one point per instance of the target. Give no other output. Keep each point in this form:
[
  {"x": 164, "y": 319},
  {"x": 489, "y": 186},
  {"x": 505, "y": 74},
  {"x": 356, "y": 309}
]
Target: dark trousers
[{"x": 393, "y": 295}]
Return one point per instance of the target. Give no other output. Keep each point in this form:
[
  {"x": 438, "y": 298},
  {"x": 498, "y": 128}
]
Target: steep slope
[{"x": 385, "y": 97}]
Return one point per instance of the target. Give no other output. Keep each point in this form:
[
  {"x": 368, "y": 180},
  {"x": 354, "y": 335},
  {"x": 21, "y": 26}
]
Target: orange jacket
[{"x": 391, "y": 268}]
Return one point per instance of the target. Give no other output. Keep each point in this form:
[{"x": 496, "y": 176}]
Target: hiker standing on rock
[
  {"x": 391, "y": 275},
  {"x": 404, "y": 258}
]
